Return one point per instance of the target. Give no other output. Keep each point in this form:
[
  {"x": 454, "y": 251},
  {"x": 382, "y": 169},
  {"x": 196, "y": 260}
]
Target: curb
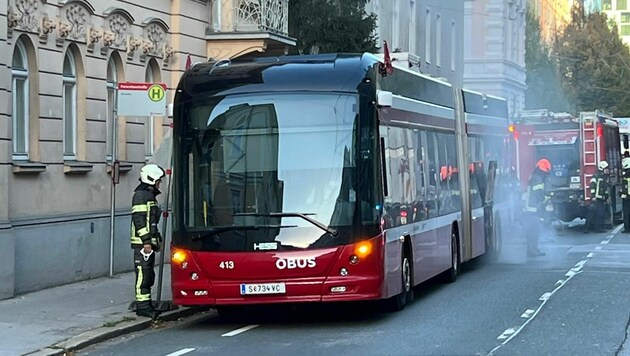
[{"x": 103, "y": 333}]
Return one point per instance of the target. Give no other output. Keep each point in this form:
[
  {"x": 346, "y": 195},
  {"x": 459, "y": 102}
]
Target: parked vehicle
[{"x": 574, "y": 145}]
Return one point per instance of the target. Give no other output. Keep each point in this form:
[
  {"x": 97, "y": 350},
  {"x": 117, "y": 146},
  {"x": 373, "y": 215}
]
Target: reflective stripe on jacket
[
  {"x": 535, "y": 195},
  {"x": 145, "y": 216},
  {"x": 599, "y": 187}
]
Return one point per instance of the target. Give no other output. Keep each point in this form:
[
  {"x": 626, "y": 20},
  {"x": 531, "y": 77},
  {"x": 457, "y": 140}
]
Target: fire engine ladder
[{"x": 588, "y": 124}]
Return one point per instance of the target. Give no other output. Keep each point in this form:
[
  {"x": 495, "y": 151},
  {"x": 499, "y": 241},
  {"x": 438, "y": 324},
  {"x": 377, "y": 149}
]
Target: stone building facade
[
  {"x": 553, "y": 16},
  {"x": 494, "y": 49},
  {"x": 429, "y": 32},
  {"x": 60, "y": 62}
]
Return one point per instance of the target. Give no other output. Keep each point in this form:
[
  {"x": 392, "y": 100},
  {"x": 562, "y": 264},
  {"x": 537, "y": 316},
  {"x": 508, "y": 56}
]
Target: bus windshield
[{"x": 269, "y": 171}]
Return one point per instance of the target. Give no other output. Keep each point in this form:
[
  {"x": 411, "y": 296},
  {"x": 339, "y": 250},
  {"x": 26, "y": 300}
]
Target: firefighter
[
  {"x": 535, "y": 200},
  {"x": 145, "y": 237},
  {"x": 599, "y": 197},
  {"x": 625, "y": 194}
]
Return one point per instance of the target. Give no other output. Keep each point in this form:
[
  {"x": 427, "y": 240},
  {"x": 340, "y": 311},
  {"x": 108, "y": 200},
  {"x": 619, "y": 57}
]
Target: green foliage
[
  {"x": 544, "y": 88},
  {"x": 326, "y": 26},
  {"x": 594, "y": 64}
]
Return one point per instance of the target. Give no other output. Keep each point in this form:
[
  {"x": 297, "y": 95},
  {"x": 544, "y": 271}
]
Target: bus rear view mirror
[{"x": 384, "y": 98}]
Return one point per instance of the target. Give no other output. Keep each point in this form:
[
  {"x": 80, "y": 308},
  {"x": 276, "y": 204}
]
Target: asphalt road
[{"x": 573, "y": 301}]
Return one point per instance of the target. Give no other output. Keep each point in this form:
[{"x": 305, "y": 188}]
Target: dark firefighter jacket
[
  {"x": 535, "y": 196},
  {"x": 625, "y": 190},
  {"x": 599, "y": 186},
  {"x": 145, "y": 216}
]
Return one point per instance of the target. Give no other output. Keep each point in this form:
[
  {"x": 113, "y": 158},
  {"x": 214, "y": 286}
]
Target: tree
[
  {"x": 325, "y": 26},
  {"x": 595, "y": 64},
  {"x": 544, "y": 86}
]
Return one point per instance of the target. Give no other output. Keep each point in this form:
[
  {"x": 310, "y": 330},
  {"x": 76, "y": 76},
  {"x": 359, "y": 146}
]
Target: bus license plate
[{"x": 263, "y": 288}]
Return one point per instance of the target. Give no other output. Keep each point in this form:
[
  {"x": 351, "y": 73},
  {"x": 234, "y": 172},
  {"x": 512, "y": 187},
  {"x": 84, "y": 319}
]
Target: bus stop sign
[{"x": 141, "y": 99}]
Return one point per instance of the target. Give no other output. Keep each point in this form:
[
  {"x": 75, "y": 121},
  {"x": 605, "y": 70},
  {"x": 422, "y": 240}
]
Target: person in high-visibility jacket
[
  {"x": 145, "y": 237},
  {"x": 599, "y": 198},
  {"x": 625, "y": 194},
  {"x": 535, "y": 199}
]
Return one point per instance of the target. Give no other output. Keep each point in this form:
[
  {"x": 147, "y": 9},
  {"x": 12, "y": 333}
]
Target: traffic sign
[{"x": 141, "y": 99}]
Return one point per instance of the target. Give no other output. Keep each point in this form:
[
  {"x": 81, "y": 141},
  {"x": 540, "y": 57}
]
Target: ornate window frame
[{"x": 20, "y": 97}]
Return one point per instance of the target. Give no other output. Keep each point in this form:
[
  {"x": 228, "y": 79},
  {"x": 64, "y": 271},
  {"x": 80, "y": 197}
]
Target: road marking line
[
  {"x": 241, "y": 330},
  {"x": 580, "y": 264},
  {"x": 181, "y": 352},
  {"x": 605, "y": 242},
  {"x": 544, "y": 298},
  {"x": 527, "y": 313},
  {"x": 590, "y": 255},
  {"x": 560, "y": 281},
  {"x": 506, "y": 334},
  {"x": 570, "y": 274}
]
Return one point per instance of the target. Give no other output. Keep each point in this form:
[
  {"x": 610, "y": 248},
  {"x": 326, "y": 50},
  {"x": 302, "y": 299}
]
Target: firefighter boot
[{"x": 146, "y": 309}]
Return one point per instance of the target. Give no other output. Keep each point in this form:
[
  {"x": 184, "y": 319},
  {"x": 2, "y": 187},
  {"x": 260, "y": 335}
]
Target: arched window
[
  {"x": 69, "y": 107},
  {"x": 112, "y": 81},
  {"x": 20, "y": 114},
  {"x": 152, "y": 75}
]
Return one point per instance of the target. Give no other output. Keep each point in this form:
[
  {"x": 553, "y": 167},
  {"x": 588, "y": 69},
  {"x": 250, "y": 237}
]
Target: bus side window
[
  {"x": 400, "y": 176},
  {"x": 431, "y": 204},
  {"x": 420, "y": 174},
  {"x": 386, "y": 151}
]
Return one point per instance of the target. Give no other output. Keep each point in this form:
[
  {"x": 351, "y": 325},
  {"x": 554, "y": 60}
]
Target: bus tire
[
  {"x": 451, "y": 274},
  {"x": 399, "y": 301}
]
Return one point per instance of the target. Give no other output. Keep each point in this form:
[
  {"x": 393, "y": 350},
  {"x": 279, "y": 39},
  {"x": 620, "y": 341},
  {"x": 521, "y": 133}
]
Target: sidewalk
[{"x": 76, "y": 315}]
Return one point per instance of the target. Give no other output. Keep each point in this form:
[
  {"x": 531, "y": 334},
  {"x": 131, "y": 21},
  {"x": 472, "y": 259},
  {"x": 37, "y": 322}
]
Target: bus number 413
[{"x": 226, "y": 265}]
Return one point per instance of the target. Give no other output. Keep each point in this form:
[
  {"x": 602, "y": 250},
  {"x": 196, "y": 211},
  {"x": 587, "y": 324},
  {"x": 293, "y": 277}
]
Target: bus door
[{"x": 488, "y": 207}]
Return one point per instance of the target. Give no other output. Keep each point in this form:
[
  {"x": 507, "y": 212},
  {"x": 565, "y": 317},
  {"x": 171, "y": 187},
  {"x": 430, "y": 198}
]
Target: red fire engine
[{"x": 574, "y": 146}]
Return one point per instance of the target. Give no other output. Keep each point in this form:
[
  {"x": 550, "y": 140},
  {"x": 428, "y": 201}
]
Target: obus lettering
[{"x": 292, "y": 263}]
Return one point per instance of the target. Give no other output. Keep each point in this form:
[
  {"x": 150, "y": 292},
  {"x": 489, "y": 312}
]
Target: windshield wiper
[
  {"x": 219, "y": 229},
  {"x": 304, "y": 216}
]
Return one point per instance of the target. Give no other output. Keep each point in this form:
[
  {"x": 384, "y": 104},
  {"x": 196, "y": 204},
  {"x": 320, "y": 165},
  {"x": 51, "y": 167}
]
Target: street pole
[
  {"x": 166, "y": 305},
  {"x": 112, "y": 222},
  {"x": 164, "y": 226}
]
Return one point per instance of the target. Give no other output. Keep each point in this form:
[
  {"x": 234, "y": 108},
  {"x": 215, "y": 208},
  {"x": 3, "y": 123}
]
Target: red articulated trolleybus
[{"x": 329, "y": 178}]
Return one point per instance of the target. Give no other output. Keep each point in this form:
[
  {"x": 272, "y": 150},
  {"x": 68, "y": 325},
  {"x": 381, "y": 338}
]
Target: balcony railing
[{"x": 262, "y": 15}]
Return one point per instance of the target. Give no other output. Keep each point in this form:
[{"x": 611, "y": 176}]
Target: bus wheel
[
  {"x": 398, "y": 302},
  {"x": 450, "y": 276}
]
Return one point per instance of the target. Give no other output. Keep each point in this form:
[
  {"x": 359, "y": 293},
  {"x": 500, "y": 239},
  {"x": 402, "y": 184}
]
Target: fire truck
[
  {"x": 574, "y": 146},
  {"x": 624, "y": 130}
]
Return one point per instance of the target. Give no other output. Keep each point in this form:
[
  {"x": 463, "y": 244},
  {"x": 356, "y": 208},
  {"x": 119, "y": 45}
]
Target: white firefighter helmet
[
  {"x": 625, "y": 163},
  {"x": 602, "y": 165},
  {"x": 151, "y": 173}
]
